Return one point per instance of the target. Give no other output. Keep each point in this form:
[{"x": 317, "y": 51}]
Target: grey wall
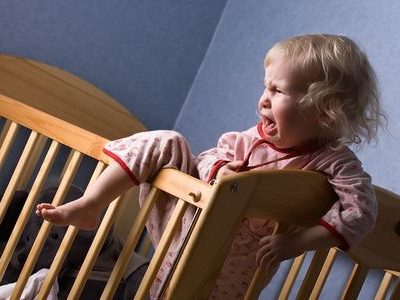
[{"x": 143, "y": 53}]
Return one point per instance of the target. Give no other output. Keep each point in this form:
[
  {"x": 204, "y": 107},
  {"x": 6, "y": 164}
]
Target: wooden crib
[{"x": 59, "y": 110}]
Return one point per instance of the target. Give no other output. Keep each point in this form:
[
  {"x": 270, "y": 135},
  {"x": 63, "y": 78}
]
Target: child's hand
[
  {"x": 274, "y": 249},
  {"x": 228, "y": 169},
  {"x": 277, "y": 248}
]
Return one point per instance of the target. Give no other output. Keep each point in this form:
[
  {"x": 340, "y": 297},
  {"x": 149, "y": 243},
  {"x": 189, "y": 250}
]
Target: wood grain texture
[
  {"x": 57, "y": 105},
  {"x": 59, "y": 130},
  {"x": 65, "y": 96}
]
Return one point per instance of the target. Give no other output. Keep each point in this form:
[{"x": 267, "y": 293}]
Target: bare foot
[{"x": 76, "y": 213}]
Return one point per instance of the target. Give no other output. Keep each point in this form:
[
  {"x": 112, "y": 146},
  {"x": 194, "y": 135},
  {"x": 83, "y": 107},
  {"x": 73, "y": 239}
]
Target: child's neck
[{"x": 306, "y": 148}]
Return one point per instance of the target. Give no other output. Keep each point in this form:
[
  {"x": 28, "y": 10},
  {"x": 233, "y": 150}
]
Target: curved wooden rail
[
  {"x": 65, "y": 96},
  {"x": 54, "y": 128}
]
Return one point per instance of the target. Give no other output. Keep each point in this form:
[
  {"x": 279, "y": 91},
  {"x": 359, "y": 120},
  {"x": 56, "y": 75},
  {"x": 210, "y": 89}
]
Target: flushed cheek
[
  {"x": 288, "y": 127},
  {"x": 259, "y": 107}
]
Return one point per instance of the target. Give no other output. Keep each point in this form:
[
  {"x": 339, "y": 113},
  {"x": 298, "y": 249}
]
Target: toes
[
  {"x": 46, "y": 206},
  {"x": 42, "y": 207}
]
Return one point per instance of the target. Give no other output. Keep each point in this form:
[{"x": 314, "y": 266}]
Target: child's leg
[
  {"x": 85, "y": 211},
  {"x": 139, "y": 158}
]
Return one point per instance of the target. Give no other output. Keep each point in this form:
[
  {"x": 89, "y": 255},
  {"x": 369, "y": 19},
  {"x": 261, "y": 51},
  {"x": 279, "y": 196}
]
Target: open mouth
[{"x": 269, "y": 126}]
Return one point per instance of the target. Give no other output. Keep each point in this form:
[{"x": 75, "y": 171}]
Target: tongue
[{"x": 269, "y": 127}]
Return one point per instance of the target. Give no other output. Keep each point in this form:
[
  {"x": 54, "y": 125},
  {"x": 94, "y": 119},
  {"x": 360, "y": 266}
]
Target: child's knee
[
  {"x": 168, "y": 134},
  {"x": 168, "y": 138}
]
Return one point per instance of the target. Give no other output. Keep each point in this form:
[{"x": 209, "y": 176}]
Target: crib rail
[
  {"x": 64, "y": 95},
  {"x": 66, "y": 133},
  {"x": 219, "y": 210},
  {"x": 306, "y": 197},
  {"x": 43, "y": 129}
]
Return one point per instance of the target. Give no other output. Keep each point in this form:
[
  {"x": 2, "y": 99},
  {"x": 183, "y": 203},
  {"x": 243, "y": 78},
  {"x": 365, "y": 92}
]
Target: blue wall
[
  {"x": 155, "y": 57},
  {"x": 224, "y": 94},
  {"x": 143, "y": 53},
  {"x": 196, "y": 65}
]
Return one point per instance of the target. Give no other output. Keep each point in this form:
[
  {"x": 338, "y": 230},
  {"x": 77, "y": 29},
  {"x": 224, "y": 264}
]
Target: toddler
[{"x": 320, "y": 95}]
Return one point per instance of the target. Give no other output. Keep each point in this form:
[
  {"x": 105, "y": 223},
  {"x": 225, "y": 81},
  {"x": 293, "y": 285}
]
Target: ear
[{"x": 12, "y": 214}]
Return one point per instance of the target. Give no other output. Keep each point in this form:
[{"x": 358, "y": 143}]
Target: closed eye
[
  {"x": 272, "y": 88},
  {"x": 277, "y": 90}
]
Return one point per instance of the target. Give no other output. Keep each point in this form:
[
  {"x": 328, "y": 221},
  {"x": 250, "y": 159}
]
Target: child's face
[{"x": 286, "y": 124}]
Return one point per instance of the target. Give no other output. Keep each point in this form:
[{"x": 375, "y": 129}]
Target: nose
[{"x": 265, "y": 100}]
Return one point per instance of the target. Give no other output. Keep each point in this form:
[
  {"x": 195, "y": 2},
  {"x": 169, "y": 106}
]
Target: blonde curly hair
[{"x": 339, "y": 83}]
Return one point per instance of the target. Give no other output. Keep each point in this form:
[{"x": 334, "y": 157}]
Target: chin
[
  {"x": 274, "y": 140},
  {"x": 279, "y": 144}
]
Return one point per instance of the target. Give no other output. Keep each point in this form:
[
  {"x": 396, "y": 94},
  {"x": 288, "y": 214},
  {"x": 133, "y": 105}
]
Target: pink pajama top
[{"x": 349, "y": 219}]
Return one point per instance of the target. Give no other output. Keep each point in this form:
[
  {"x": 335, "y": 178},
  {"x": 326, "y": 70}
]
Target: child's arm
[
  {"x": 344, "y": 225},
  {"x": 354, "y": 214},
  {"x": 231, "y": 147},
  {"x": 228, "y": 169},
  {"x": 274, "y": 249}
]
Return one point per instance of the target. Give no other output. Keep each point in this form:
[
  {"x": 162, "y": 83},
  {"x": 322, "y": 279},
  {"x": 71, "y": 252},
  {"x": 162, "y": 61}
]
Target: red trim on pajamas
[
  {"x": 344, "y": 245},
  {"x": 122, "y": 164},
  {"x": 215, "y": 169}
]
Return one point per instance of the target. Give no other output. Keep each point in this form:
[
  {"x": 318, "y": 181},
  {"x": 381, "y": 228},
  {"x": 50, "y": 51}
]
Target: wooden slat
[
  {"x": 57, "y": 263},
  {"x": 396, "y": 291},
  {"x": 54, "y": 128},
  {"x": 355, "y": 282},
  {"x": 206, "y": 250},
  {"x": 65, "y": 246},
  {"x": 323, "y": 275},
  {"x": 127, "y": 213},
  {"x": 291, "y": 277},
  {"x": 31, "y": 163},
  {"x": 384, "y": 286},
  {"x": 67, "y": 161},
  {"x": 130, "y": 243},
  {"x": 45, "y": 228},
  {"x": 312, "y": 274},
  {"x": 27, "y": 208},
  {"x": 19, "y": 169},
  {"x": 259, "y": 277},
  {"x": 4, "y": 129},
  {"x": 8, "y": 135},
  {"x": 163, "y": 246},
  {"x": 94, "y": 250}
]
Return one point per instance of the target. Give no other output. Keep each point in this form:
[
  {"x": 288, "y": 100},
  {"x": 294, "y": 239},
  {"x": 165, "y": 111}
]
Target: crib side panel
[
  {"x": 381, "y": 247},
  {"x": 47, "y": 143},
  {"x": 49, "y": 140},
  {"x": 207, "y": 245}
]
